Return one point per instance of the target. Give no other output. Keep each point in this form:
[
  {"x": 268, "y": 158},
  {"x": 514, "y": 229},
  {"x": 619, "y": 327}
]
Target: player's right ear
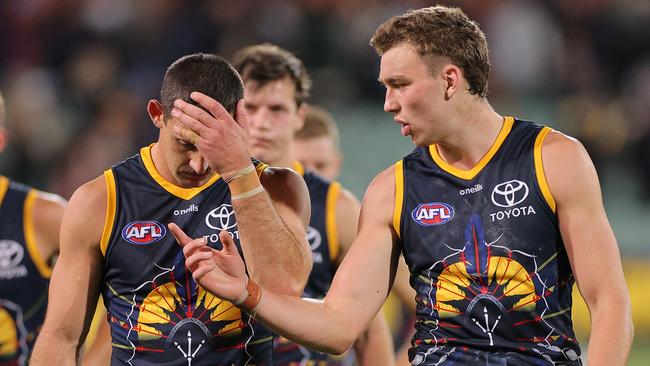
[{"x": 155, "y": 110}]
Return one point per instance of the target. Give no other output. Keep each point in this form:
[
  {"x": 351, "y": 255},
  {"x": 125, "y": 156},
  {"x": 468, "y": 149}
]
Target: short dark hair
[
  {"x": 267, "y": 62},
  {"x": 205, "y": 73},
  {"x": 440, "y": 31},
  {"x": 319, "y": 123}
]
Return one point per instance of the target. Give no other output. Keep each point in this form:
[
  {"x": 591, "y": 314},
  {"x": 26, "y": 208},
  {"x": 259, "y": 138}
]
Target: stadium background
[{"x": 76, "y": 75}]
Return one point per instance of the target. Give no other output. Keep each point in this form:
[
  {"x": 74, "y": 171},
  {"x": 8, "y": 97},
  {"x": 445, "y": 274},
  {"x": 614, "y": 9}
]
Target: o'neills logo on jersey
[
  {"x": 510, "y": 195},
  {"x": 143, "y": 232},
  {"x": 432, "y": 213}
]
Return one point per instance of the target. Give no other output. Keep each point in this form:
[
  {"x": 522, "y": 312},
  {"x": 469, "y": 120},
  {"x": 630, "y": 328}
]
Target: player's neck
[
  {"x": 476, "y": 128},
  {"x": 285, "y": 160},
  {"x": 160, "y": 166}
]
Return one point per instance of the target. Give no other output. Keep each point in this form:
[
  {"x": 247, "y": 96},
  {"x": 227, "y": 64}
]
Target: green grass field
[{"x": 640, "y": 355}]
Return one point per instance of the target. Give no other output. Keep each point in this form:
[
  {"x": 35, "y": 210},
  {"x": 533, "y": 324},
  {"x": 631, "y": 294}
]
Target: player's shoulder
[
  {"x": 48, "y": 208},
  {"x": 561, "y": 149},
  {"x": 91, "y": 196},
  {"x": 381, "y": 189},
  {"x": 278, "y": 176}
]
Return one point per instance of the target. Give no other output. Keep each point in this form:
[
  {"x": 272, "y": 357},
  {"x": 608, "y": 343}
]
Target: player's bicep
[
  {"x": 585, "y": 229},
  {"x": 368, "y": 269},
  {"x": 347, "y": 219},
  {"x": 75, "y": 279}
]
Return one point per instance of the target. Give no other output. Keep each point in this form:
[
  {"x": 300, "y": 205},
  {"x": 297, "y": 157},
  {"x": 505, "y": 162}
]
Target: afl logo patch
[
  {"x": 143, "y": 232},
  {"x": 433, "y": 213}
]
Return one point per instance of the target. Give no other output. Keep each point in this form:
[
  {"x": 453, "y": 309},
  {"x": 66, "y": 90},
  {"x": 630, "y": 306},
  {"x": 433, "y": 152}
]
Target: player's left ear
[
  {"x": 301, "y": 113},
  {"x": 155, "y": 110},
  {"x": 452, "y": 76}
]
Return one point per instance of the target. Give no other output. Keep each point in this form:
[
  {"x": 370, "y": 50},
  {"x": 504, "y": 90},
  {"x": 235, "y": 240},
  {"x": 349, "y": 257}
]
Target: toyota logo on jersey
[
  {"x": 510, "y": 193},
  {"x": 221, "y": 218},
  {"x": 433, "y": 213},
  {"x": 143, "y": 232}
]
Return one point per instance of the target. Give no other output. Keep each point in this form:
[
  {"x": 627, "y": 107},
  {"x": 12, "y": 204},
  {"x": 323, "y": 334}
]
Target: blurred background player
[
  {"x": 114, "y": 236},
  {"x": 29, "y": 240},
  {"x": 276, "y": 85},
  {"x": 317, "y": 148},
  {"x": 317, "y": 143}
]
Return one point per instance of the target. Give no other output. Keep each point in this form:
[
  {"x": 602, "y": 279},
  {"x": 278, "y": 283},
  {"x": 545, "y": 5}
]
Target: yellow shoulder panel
[
  {"x": 399, "y": 196},
  {"x": 30, "y": 236},
  {"x": 330, "y": 220},
  {"x": 111, "y": 204},
  {"x": 539, "y": 168},
  {"x": 4, "y": 185}
]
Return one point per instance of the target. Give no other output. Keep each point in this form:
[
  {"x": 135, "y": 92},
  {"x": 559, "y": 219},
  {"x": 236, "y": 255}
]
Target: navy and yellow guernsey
[
  {"x": 24, "y": 274},
  {"x": 158, "y": 315},
  {"x": 323, "y": 239},
  {"x": 486, "y": 258}
]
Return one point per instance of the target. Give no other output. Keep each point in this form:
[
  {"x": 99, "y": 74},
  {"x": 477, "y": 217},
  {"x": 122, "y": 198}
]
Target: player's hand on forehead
[{"x": 221, "y": 139}]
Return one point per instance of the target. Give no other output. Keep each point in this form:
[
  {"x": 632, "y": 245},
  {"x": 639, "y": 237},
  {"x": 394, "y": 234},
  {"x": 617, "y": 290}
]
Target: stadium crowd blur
[{"x": 77, "y": 74}]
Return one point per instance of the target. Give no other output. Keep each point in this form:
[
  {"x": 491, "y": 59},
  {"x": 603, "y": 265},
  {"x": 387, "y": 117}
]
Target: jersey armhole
[
  {"x": 539, "y": 168},
  {"x": 30, "y": 236},
  {"x": 4, "y": 186},
  {"x": 111, "y": 203},
  {"x": 330, "y": 220},
  {"x": 399, "y": 197}
]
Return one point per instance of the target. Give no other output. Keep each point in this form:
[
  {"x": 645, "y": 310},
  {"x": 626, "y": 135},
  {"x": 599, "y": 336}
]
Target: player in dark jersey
[
  {"x": 317, "y": 148},
  {"x": 496, "y": 217},
  {"x": 115, "y": 238},
  {"x": 29, "y": 240},
  {"x": 276, "y": 86}
]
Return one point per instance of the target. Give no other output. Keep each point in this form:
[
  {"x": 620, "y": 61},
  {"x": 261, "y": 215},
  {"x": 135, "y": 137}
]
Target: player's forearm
[
  {"x": 375, "y": 346},
  {"x": 309, "y": 322},
  {"x": 611, "y": 331},
  {"x": 53, "y": 349},
  {"x": 274, "y": 256}
]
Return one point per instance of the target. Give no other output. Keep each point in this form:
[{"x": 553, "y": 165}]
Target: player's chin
[{"x": 419, "y": 141}]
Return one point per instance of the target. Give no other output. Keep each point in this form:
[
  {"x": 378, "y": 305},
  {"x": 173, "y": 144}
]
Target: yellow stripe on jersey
[
  {"x": 399, "y": 196},
  {"x": 30, "y": 236},
  {"x": 299, "y": 168},
  {"x": 111, "y": 204},
  {"x": 180, "y": 192},
  {"x": 470, "y": 174},
  {"x": 260, "y": 168},
  {"x": 330, "y": 220},
  {"x": 4, "y": 185},
  {"x": 539, "y": 168}
]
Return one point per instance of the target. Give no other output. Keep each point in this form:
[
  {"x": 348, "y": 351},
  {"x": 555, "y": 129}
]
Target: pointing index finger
[{"x": 179, "y": 234}]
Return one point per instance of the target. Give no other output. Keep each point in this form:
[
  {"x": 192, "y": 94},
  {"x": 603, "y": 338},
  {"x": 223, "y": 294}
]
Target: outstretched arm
[
  {"x": 591, "y": 247},
  {"x": 271, "y": 221},
  {"x": 359, "y": 288},
  {"x": 74, "y": 285},
  {"x": 375, "y": 346}
]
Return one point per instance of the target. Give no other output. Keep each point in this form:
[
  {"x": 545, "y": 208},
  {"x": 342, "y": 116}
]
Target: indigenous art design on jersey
[
  {"x": 487, "y": 261},
  {"x": 157, "y": 312}
]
